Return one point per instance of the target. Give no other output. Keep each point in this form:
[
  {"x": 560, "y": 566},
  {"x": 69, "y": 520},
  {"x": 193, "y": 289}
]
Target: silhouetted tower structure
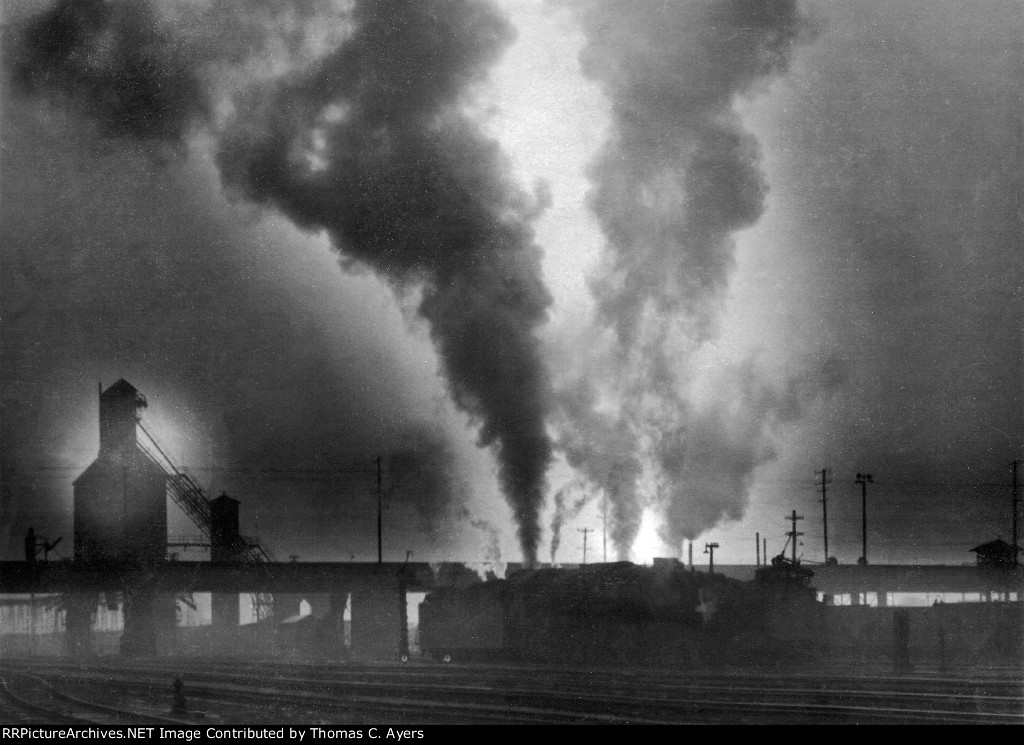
[
  {"x": 120, "y": 519},
  {"x": 225, "y": 545}
]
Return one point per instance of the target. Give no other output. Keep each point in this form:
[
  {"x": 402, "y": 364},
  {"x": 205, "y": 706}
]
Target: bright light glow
[{"x": 648, "y": 546}]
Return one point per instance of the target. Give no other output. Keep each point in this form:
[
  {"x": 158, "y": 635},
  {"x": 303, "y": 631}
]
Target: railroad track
[
  {"x": 33, "y": 699},
  {"x": 424, "y": 694}
]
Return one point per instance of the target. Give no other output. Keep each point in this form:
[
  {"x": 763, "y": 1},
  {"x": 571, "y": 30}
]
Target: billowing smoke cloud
[
  {"x": 114, "y": 62},
  {"x": 677, "y": 178},
  {"x": 371, "y": 146},
  {"x": 152, "y": 72},
  {"x": 680, "y": 175}
]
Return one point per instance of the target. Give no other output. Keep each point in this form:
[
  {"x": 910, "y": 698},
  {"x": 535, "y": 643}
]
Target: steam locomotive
[{"x": 621, "y": 614}]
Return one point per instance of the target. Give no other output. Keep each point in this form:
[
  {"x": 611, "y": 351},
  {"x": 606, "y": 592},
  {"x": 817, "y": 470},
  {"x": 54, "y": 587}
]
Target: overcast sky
[{"x": 552, "y": 261}]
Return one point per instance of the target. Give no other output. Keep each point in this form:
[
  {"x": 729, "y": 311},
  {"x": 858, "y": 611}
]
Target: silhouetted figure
[
  {"x": 30, "y": 545},
  {"x": 179, "y": 706}
]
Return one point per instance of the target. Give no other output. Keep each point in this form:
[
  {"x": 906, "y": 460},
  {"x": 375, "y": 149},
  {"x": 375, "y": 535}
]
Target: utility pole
[
  {"x": 764, "y": 550},
  {"x": 691, "y": 554},
  {"x": 380, "y": 514},
  {"x": 824, "y": 505},
  {"x": 1015, "y": 501},
  {"x": 709, "y": 548},
  {"x": 757, "y": 547},
  {"x": 794, "y": 534},
  {"x": 864, "y": 479},
  {"x": 584, "y": 531}
]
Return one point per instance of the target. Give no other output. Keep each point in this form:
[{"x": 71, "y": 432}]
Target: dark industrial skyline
[{"x": 670, "y": 260}]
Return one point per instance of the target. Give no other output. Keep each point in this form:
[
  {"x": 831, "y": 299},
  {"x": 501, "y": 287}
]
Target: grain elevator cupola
[{"x": 119, "y": 415}]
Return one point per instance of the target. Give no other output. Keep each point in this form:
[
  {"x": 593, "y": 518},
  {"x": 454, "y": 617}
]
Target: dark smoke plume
[
  {"x": 370, "y": 145},
  {"x": 113, "y": 61},
  {"x": 677, "y": 178}
]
